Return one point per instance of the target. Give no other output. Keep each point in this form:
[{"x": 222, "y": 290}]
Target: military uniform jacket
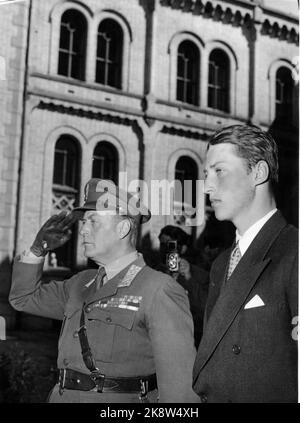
[
  {"x": 138, "y": 324},
  {"x": 249, "y": 353}
]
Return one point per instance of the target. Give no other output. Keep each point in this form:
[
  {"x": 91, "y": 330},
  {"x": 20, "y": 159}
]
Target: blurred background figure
[{"x": 175, "y": 242}]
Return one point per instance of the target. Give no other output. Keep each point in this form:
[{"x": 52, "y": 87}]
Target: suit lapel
[
  {"x": 232, "y": 296},
  {"x": 217, "y": 277}
]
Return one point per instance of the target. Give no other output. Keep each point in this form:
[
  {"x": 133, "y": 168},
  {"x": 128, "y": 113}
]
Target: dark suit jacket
[{"x": 250, "y": 355}]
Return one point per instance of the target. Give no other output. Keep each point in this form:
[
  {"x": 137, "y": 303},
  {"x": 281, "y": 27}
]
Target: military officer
[{"x": 127, "y": 332}]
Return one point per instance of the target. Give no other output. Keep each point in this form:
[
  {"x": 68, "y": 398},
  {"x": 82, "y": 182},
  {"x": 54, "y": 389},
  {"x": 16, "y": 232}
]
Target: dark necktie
[
  {"x": 100, "y": 277},
  {"x": 234, "y": 259}
]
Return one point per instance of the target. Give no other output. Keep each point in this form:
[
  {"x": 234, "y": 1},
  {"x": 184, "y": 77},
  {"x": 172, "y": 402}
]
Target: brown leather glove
[{"x": 53, "y": 234}]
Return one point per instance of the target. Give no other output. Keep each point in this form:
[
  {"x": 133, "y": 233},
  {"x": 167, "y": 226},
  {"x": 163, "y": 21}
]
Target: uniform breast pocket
[
  {"x": 110, "y": 333},
  {"x": 70, "y": 321}
]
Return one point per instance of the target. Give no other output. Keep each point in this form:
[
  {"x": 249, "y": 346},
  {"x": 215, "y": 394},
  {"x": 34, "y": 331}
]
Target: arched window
[
  {"x": 72, "y": 45},
  {"x": 109, "y": 54},
  {"x": 66, "y": 182},
  {"x": 284, "y": 95},
  {"x": 105, "y": 162},
  {"x": 218, "y": 81},
  {"x": 186, "y": 172},
  {"x": 188, "y": 64}
]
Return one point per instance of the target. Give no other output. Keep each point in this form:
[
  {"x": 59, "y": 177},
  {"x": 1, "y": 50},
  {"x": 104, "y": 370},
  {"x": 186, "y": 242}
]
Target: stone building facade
[{"x": 98, "y": 87}]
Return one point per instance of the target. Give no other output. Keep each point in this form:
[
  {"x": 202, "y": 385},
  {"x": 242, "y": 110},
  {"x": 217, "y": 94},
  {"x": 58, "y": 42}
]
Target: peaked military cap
[{"x": 105, "y": 195}]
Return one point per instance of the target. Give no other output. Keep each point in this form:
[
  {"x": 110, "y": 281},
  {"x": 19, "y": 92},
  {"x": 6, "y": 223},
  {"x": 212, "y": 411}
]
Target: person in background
[{"x": 191, "y": 277}]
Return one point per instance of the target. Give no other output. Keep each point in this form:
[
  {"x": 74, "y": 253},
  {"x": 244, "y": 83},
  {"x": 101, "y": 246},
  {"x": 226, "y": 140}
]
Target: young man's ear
[
  {"x": 123, "y": 228},
  {"x": 261, "y": 172}
]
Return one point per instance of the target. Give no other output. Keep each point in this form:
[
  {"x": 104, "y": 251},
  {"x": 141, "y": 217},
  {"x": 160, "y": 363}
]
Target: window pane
[
  {"x": 180, "y": 66},
  {"x": 190, "y": 95},
  {"x": 186, "y": 170},
  {"x": 77, "y": 41},
  {"x": 180, "y": 90},
  {"x": 102, "y": 45},
  {"x": 65, "y": 193},
  {"x": 63, "y": 64},
  {"x": 76, "y": 67},
  {"x": 218, "y": 90},
  {"x": 187, "y": 73},
  {"x": 105, "y": 162},
  {"x": 284, "y": 95},
  {"x": 211, "y": 76},
  {"x": 72, "y": 45},
  {"x": 64, "y": 37},
  {"x": 58, "y": 177},
  {"x": 109, "y": 51},
  {"x": 100, "y": 72},
  {"x": 211, "y": 101}
]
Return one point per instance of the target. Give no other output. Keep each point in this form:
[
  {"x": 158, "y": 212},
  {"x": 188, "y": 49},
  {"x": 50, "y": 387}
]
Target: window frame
[
  {"x": 69, "y": 193},
  {"x": 172, "y": 51},
  {"x": 193, "y": 69},
  {"x": 112, "y": 150},
  {"x": 71, "y": 54},
  {"x": 271, "y": 76},
  {"x": 219, "y": 90},
  {"x": 286, "y": 105}
]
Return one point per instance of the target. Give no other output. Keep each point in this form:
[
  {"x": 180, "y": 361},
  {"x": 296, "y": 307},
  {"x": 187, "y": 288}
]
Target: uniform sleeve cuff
[{"x": 28, "y": 257}]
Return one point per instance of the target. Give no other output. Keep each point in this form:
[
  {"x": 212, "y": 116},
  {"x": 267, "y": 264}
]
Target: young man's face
[
  {"x": 229, "y": 183},
  {"x": 100, "y": 236}
]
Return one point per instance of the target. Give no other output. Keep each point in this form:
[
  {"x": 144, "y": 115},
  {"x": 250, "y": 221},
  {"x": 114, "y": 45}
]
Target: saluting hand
[{"x": 53, "y": 234}]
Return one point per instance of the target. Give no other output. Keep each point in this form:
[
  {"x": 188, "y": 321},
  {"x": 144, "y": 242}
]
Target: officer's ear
[{"x": 123, "y": 228}]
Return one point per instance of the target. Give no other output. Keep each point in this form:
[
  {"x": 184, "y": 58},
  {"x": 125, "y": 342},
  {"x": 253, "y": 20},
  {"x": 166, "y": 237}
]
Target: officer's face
[
  {"x": 229, "y": 183},
  {"x": 101, "y": 239}
]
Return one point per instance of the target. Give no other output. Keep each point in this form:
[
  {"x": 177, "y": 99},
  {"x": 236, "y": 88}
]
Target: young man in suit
[
  {"x": 248, "y": 351},
  {"x": 127, "y": 332}
]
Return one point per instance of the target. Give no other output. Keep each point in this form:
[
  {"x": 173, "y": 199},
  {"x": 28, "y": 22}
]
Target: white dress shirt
[{"x": 246, "y": 239}]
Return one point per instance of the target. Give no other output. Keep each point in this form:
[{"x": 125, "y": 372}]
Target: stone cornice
[
  {"x": 274, "y": 30},
  {"x": 180, "y": 132},
  {"x": 53, "y": 106},
  {"x": 240, "y": 13}
]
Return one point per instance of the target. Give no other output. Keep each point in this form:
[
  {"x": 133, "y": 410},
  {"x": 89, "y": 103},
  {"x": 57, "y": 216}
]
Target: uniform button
[
  {"x": 236, "y": 349},
  {"x": 75, "y": 334},
  {"x": 87, "y": 309},
  {"x": 203, "y": 397},
  {"x": 108, "y": 319},
  {"x": 66, "y": 362}
]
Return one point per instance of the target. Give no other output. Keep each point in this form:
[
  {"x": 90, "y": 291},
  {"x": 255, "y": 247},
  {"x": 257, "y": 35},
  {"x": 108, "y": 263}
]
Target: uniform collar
[{"x": 116, "y": 266}]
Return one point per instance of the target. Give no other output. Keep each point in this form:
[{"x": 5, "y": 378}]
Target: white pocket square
[{"x": 256, "y": 301}]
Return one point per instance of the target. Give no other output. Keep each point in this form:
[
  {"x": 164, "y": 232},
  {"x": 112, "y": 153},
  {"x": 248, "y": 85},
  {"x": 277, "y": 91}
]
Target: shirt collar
[{"x": 246, "y": 239}]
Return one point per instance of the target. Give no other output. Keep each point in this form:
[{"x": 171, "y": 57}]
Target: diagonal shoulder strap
[{"x": 86, "y": 352}]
